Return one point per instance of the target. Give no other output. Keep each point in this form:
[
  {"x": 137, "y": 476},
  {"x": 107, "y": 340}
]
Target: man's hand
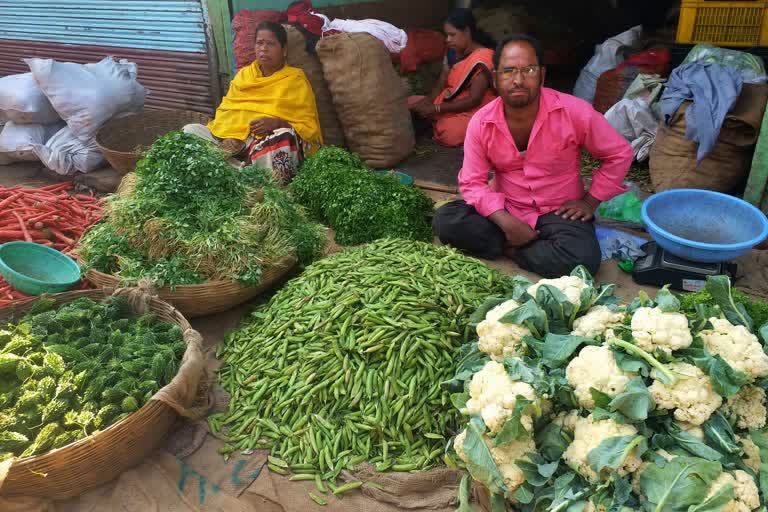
[
  {"x": 265, "y": 125},
  {"x": 232, "y": 146},
  {"x": 518, "y": 233},
  {"x": 579, "y": 209}
]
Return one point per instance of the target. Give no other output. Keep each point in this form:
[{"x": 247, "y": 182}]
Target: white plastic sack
[
  {"x": 635, "y": 120},
  {"x": 88, "y": 95},
  {"x": 22, "y": 101},
  {"x": 393, "y": 38},
  {"x": 607, "y": 56},
  {"x": 17, "y": 140},
  {"x": 65, "y": 154}
]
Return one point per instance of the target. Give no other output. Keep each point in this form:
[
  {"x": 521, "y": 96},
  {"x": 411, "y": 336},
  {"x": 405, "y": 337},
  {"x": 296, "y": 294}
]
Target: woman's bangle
[{"x": 437, "y": 108}]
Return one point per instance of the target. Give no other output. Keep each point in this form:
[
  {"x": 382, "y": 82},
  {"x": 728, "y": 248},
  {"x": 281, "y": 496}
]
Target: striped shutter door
[{"x": 166, "y": 38}]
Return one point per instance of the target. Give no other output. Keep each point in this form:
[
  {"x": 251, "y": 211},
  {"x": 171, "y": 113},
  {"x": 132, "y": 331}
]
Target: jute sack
[
  {"x": 673, "y": 157},
  {"x": 434, "y": 490},
  {"x": 299, "y": 57},
  {"x": 86, "y": 464},
  {"x": 369, "y": 97}
]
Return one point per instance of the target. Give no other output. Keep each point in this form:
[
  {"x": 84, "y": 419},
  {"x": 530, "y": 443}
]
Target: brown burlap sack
[
  {"x": 369, "y": 97},
  {"x": 90, "y": 462},
  {"x": 673, "y": 157},
  {"x": 299, "y": 57},
  {"x": 434, "y": 490}
]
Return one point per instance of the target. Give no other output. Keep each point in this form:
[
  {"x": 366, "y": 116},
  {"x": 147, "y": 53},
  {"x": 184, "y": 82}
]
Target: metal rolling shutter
[{"x": 166, "y": 38}]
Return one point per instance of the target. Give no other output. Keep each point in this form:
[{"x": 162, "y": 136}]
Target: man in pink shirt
[{"x": 535, "y": 209}]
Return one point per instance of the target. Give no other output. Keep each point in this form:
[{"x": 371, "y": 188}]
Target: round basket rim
[
  {"x": 153, "y": 408},
  {"x": 285, "y": 263},
  {"x": 129, "y": 120}
]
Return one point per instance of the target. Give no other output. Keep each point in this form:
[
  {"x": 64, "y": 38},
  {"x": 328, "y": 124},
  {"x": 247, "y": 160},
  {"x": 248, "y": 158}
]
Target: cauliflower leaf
[
  {"x": 679, "y": 483},
  {"x": 719, "y": 432},
  {"x": 479, "y": 459},
  {"x": 559, "y": 348},
  {"x": 630, "y": 406},
  {"x": 726, "y": 381},
  {"x": 613, "y": 451},
  {"x": 719, "y": 287}
]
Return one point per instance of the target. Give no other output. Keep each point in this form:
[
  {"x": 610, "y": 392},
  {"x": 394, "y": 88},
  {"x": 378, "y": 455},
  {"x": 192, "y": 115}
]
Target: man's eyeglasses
[{"x": 526, "y": 72}]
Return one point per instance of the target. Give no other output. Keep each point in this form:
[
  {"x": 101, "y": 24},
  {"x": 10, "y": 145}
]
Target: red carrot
[
  {"x": 61, "y": 236},
  {"x": 6, "y": 202},
  {"x": 23, "y": 227}
]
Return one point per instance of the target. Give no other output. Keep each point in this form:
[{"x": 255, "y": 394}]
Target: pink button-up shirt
[{"x": 545, "y": 176}]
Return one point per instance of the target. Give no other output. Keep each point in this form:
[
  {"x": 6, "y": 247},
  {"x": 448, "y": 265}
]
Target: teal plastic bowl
[
  {"x": 403, "y": 178},
  {"x": 35, "y": 269}
]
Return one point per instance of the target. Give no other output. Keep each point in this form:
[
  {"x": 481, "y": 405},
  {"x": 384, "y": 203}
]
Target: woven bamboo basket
[
  {"x": 124, "y": 140},
  {"x": 196, "y": 300},
  {"x": 76, "y": 468}
]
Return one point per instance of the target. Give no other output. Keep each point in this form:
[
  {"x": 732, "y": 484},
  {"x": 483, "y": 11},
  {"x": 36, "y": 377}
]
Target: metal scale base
[{"x": 659, "y": 267}]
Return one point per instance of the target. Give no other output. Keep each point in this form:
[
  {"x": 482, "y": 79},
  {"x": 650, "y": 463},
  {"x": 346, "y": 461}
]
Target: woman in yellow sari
[
  {"x": 269, "y": 112},
  {"x": 466, "y": 83}
]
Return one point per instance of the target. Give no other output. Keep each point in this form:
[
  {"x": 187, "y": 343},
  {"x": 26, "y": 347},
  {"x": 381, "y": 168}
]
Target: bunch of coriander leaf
[
  {"x": 193, "y": 218},
  {"x": 360, "y": 205}
]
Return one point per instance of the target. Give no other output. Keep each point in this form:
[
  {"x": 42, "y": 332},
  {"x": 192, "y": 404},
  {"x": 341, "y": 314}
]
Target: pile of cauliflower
[{"x": 575, "y": 402}]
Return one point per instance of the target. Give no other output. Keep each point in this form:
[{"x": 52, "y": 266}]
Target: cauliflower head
[
  {"x": 745, "y": 492},
  {"x": 597, "y": 320},
  {"x": 740, "y": 348},
  {"x": 493, "y": 395},
  {"x": 595, "y": 367},
  {"x": 587, "y": 436},
  {"x": 751, "y": 456},
  {"x": 695, "y": 430},
  {"x": 692, "y": 396},
  {"x": 652, "y": 328},
  {"x": 567, "y": 420},
  {"x": 498, "y": 339},
  {"x": 747, "y": 407},
  {"x": 571, "y": 286},
  {"x": 504, "y": 457}
]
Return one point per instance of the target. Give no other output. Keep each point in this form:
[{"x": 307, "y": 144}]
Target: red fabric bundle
[{"x": 424, "y": 46}]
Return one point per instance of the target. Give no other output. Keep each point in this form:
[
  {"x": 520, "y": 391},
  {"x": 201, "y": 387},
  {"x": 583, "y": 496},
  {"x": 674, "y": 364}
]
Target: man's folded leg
[
  {"x": 459, "y": 225},
  {"x": 562, "y": 245}
]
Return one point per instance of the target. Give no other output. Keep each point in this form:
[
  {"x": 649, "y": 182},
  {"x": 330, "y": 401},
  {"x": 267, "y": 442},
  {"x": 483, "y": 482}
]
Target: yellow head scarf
[{"x": 286, "y": 95}]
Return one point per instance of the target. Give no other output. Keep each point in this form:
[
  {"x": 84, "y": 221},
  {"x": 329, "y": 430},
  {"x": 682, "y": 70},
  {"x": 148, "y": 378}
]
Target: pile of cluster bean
[{"x": 344, "y": 364}]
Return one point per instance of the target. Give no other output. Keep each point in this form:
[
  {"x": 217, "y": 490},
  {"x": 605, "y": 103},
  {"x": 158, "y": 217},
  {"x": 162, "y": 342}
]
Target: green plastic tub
[
  {"x": 403, "y": 178},
  {"x": 35, "y": 269}
]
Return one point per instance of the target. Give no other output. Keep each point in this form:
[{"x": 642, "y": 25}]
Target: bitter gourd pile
[{"x": 70, "y": 371}]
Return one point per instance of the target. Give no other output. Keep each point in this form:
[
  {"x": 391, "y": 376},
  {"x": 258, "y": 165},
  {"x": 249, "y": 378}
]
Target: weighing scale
[{"x": 659, "y": 267}]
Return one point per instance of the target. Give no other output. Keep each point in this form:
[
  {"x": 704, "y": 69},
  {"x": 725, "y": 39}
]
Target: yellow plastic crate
[{"x": 734, "y": 23}]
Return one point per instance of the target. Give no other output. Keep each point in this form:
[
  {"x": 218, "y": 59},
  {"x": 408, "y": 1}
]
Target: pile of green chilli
[
  {"x": 575, "y": 402},
  {"x": 344, "y": 364},
  {"x": 68, "y": 372}
]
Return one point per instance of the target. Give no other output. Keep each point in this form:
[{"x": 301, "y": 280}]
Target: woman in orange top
[{"x": 464, "y": 85}]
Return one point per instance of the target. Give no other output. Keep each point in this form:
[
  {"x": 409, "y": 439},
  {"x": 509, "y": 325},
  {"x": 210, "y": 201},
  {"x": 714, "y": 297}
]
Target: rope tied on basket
[{"x": 139, "y": 298}]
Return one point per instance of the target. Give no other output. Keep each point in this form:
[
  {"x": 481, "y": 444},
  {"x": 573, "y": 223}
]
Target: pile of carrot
[{"x": 49, "y": 216}]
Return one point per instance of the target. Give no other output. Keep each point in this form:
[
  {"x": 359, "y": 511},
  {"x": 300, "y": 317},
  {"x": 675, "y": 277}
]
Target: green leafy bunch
[
  {"x": 193, "y": 218},
  {"x": 361, "y": 206},
  {"x": 186, "y": 171},
  {"x": 67, "y": 372},
  {"x": 656, "y": 463}
]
